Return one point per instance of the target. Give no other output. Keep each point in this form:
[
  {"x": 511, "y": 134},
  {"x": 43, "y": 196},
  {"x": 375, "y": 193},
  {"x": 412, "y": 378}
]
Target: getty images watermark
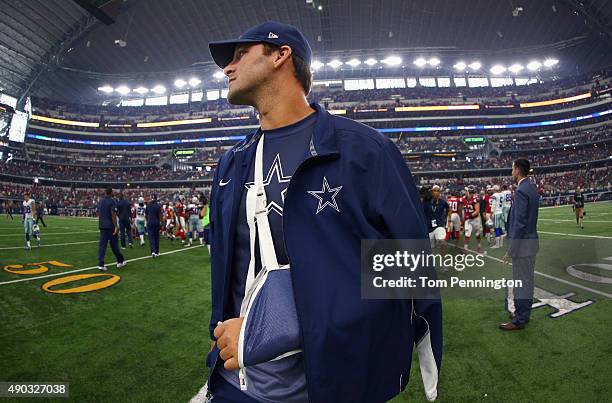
[{"x": 410, "y": 269}]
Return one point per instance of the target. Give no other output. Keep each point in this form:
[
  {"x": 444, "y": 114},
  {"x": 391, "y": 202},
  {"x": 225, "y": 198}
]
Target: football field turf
[{"x": 144, "y": 337}]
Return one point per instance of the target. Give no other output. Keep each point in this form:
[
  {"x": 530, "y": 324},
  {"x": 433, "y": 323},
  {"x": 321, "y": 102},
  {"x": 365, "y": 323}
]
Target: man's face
[
  {"x": 26, "y": 197},
  {"x": 435, "y": 193},
  {"x": 515, "y": 172},
  {"x": 248, "y": 72}
]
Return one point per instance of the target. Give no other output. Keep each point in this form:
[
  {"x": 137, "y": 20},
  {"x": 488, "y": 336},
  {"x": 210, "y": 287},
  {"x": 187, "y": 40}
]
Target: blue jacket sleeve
[
  {"x": 403, "y": 215},
  {"x": 216, "y": 311},
  {"x": 518, "y": 225}
]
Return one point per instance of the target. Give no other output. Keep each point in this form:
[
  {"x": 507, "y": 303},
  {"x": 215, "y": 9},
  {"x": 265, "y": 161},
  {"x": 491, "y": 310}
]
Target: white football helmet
[{"x": 141, "y": 200}]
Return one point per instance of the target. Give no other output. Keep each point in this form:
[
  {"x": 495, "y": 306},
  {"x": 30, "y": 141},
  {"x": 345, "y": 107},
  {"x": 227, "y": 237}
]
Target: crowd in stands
[
  {"x": 548, "y": 140},
  {"x": 425, "y": 162},
  {"x": 78, "y": 198},
  {"x": 53, "y": 155},
  {"x": 557, "y": 157},
  {"x": 108, "y": 174},
  {"x": 549, "y": 184}
]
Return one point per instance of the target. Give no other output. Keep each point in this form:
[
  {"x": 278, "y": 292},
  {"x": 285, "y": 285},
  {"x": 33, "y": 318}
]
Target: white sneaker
[
  {"x": 122, "y": 264},
  {"x": 153, "y": 255},
  {"x": 102, "y": 268}
]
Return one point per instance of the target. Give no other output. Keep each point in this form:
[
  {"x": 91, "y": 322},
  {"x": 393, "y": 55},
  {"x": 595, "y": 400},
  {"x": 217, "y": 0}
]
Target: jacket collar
[{"x": 323, "y": 140}]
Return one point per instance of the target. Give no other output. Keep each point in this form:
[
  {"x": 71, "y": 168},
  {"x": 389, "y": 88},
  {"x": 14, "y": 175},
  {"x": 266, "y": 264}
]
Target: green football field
[{"x": 140, "y": 333}]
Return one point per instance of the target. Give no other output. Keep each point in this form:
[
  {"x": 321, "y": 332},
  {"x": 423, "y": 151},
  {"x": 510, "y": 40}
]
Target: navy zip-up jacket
[{"x": 355, "y": 350}]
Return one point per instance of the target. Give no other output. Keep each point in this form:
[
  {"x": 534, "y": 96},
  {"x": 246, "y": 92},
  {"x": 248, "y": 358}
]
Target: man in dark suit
[
  {"x": 124, "y": 210},
  {"x": 523, "y": 243},
  {"x": 107, "y": 223},
  {"x": 155, "y": 219}
]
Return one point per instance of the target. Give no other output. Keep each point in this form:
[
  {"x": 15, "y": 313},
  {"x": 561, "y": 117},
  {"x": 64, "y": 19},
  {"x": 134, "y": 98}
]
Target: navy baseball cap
[{"x": 272, "y": 32}]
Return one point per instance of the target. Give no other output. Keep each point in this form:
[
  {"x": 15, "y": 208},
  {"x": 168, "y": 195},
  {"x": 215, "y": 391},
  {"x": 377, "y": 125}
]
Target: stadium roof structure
[{"x": 64, "y": 49}]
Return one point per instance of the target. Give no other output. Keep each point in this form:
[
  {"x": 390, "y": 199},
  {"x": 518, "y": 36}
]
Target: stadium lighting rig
[
  {"x": 335, "y": 63},
  {"x": 550, "y": 62},
  {"x": 158, "y": 89},
  {"x": 460, "y": 66},
  {"x": 123, "y": 90},
  {"x": 475, "y": 66},
  {"x": 392, "y": 61},
  {"x": 498, "y": 69},
  {"x": 106, "y": 88},
  {"x": 219, "y": 75},
  {"x": 534, "y": 65},
  {"x": 316, "y": 65},
  {"x": 420, "y": 62},
  {"x": 194, "y": 82},
  {"x": 516, "y": 68}
]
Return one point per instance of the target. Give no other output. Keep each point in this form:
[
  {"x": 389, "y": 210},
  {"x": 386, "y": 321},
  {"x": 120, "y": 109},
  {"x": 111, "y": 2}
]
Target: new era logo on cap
[{"x": 272, "y": 32}]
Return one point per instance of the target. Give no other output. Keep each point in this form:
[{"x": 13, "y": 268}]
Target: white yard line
[
  {"x": 604, "y": 294},
  {"x": 558, "y": 219},
  {"x": 569, "y": 205},
  {"x": 575, "y": 235},
  {"x": 94, "y": 267},
  {"x": 45, "y": 234},
  {"x": 53, "y": 244}
]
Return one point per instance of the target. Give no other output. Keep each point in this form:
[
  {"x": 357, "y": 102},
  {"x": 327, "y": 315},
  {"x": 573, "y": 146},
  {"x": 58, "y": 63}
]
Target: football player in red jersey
[
  {"x": 180, "y": 217},
  {"x": 455, "y": 212},
  {"x": 472, "y": 217},
  {"x": 169, "y": 212}
]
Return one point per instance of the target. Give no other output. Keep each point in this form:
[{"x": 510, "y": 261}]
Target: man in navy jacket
[
  {"x": 523, "y": 243},
  {"x": 351, "y": 184}
]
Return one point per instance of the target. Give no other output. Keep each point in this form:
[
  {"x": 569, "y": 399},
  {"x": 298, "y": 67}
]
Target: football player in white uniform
[
  {"x": 507, "y": 202},
  {"x": 141, "y": 222},
  {"x": 497, "y": 202},
  {"x": 195, "y": 224},
  {"x": 28, "y": 219}
]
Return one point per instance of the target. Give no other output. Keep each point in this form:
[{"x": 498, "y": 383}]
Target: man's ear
[{"x": 284, "y": 53}]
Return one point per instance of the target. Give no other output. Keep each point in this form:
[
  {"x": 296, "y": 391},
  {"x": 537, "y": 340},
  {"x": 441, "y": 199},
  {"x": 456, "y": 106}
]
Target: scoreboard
[{"x": 184, "y": 153}]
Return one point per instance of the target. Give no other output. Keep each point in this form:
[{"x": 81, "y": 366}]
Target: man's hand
[
  {"x": 227, "y": 339},
  {"x": 507, "y": 259},
  {"x": 115, "y": 231}
]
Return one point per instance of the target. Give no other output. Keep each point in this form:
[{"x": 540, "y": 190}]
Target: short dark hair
[
  {"x": 109, "y": 191},
  {"x": 302, "y": 70},
  {"x": 523, "y": 165}
]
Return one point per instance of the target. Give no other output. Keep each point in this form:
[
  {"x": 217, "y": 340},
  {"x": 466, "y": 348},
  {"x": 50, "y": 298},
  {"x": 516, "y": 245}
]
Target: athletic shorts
[
  {"x": 473, "y": 225},
  {"x": 498, "y": 220},
  {"x": 455, "y": 222},
  {"x": 195, "y": 225},
  {"x": 438, "y": 234},
  {"x": 140, "y": 226}
]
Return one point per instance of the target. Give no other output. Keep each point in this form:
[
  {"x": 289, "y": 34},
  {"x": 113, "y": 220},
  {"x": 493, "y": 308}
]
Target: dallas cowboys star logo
[
  {"x": 326, "y": 196},
  {"x": 276, "y": 171}
]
